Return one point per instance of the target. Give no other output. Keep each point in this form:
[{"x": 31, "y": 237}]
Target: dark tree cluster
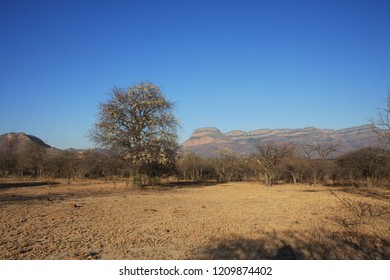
[
  {"x": 365, "y": 167},
  {"x": 28, "y": 161},
  {"x": 34, "y": 161},
  {"x": 274, "y": 163}
]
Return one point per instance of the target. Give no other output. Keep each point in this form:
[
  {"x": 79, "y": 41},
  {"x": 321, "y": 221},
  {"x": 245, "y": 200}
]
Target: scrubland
[{"x": 108, "y": 220}]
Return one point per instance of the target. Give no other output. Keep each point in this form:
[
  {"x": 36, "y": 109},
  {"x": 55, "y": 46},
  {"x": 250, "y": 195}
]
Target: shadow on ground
[
  {"x": 32, "y": 198},
  {"x": 26, "y": 184},
  {"x": 76, "y": 191},
  {"x": 290, "y": 246},
  {"x": 383, "y": 194},
  {"x": 69, "y": 192},
  {"x": 188, "y": 184}
]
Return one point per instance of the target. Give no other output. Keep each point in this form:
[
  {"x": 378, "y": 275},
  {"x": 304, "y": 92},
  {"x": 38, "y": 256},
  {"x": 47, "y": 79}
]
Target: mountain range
[{"x": 206, "y": 141}]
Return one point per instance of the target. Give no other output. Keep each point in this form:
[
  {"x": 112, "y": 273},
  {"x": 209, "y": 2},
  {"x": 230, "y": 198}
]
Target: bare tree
[
  {"x": 316, "y": 155},
  {"x": 381, "y": 124},
  {"x": 226, "y": 164},
  {"x": 191, "y": 165},
  {"x": 8, "y": 163},
  {"x": 367, "y": 164},
  {"x": 35, "y": 155},
  {"x": 319, "y": 151},
  {"x": 270, "y": 156},
  {"x": 138, "y": 124},
  {"x": 296, "y": 167}
]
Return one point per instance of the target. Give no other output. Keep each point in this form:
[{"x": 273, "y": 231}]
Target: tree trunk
[
  {"x": 294, "y": 179},
  {"x": 268, "y": 179},
  {"x": 315, "y": 179},
  {"x": 136, "y": 176}
]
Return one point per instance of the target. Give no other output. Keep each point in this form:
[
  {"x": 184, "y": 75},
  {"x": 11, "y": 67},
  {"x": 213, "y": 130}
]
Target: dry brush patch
[{"x": 226, "y": 221}]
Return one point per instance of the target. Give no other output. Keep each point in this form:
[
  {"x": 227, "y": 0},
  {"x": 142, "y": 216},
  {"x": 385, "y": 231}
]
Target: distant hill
[
  {"x": 16, "y": 142},
  {"x": 205, "y": 141}
]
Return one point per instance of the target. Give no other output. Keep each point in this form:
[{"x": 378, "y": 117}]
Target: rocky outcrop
[
  {"x": 207, "y": 135},
  {"x": 16, "y": 142}
]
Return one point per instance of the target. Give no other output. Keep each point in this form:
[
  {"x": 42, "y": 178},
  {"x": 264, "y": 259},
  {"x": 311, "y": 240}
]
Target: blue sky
[{"x": 227, "y": 64}]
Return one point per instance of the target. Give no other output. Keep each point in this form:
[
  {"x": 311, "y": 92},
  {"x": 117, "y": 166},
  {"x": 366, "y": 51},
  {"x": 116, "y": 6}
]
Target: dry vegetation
[{"x": 106, "y": 220}]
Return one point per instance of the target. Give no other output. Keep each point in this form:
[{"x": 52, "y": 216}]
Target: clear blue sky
[{"x": 228, "y": 64}]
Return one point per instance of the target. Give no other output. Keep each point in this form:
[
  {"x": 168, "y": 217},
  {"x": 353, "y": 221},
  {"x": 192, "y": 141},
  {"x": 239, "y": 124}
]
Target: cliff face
[
  {"x": 207, "y": 135},
  {"x": 206, "y": 141}
]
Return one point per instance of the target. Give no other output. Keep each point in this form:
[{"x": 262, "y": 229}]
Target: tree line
[
  {"x": 283, "y": 163},
  {"x": 272, "y": 164},
  {"x": 136, "y": 132},
  {"x": 38, "y": 162}
]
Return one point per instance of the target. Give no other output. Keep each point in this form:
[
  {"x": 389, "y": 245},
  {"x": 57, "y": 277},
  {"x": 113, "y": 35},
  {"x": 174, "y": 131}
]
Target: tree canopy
[{"x": 138, "y": 124}]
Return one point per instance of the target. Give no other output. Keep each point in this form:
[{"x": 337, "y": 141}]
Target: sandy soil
[{"x": 100, "y": 220}]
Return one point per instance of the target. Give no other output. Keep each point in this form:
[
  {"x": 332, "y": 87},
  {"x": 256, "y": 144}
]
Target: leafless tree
[
  {"x": 317, "y": 154},
  {"x": 296, "y": 167},
  {"x": 381, "y": 124},
  {"x": 138, "y": 124},
  {"x": 367, "y": 164},
  {"x": 319, "y": 151},
  {"x": 8, "y": 163},
  {"x": 270, "y": 156},
  {"x": 191, "y": 166},
  {"x": 226, "y": 164},
  {"x": 35, "y": 155}
]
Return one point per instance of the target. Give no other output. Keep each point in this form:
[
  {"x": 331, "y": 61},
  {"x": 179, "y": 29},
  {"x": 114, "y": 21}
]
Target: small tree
[
  {"x": 138, "y": 124},
  {"x": 296, "y": 167},
  {"x": 317, "y": 155},
  {"x": 270, "y": 156},
  {"x": 8, "y": 163},
  {"x": 191, "y": 165},
  {"x": 368, "y": 164},
  {"x": 381, "y": 124},
  {"x": 226, "y": 164}
]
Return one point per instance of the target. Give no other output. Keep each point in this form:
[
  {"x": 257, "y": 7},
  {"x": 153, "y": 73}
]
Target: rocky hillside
[
  {"x": 16, "y": 142},
  {"x": 205, "y": 141}
]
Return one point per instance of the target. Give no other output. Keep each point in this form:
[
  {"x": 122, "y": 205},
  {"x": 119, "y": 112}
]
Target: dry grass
[{"x": 100, "y": 220}]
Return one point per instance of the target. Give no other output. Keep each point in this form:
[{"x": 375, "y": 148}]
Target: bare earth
[{"x": 106, "y": 220}]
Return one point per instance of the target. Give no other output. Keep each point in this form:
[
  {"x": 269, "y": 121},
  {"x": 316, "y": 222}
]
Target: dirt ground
[{"x": 107, "y": 220}]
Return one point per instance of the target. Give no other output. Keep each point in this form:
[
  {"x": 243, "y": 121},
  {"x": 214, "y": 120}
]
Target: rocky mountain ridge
[
  {"x": 18, "y": 142},
  {"x": 205, "y": 141}
]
